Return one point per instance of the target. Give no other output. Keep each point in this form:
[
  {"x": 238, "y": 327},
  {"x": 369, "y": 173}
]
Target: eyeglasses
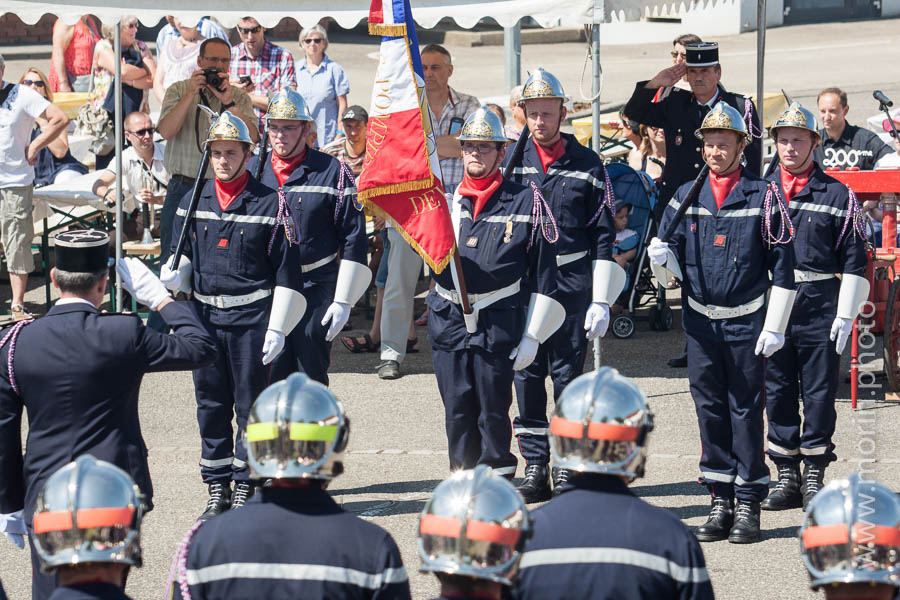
[
  {"x": 482, "y": 148},
  {"x": 892, "y": 133},
  {"x": 246, "y": 30},
  {"x": 313, "y": 41},
  {"x": 34, "y": 82},
  {"x": 677, "y": 54},
  {"x": 143, "y": 132},
  {"x": 131, "y": 25}
]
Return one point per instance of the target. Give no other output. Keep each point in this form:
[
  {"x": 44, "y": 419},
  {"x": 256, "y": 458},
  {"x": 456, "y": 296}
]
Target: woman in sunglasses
[
  {"x": 55, "y": 162},
  {"x": 322, "y": 83}
]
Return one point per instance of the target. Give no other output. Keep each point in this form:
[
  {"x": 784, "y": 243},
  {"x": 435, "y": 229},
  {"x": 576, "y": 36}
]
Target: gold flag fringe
[
  {"x": 395, "y": 188},
  {"x": 437, "y": 267},
  {"x": 387, "y": 30}
]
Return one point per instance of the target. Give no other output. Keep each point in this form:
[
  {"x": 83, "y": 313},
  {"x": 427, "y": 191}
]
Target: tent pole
[
  {"x": 512, "y": 54},
  {"x": 760, "y": 64},
  {"x": 119, "y": 121},
  {"x": 595, "y": 72}
]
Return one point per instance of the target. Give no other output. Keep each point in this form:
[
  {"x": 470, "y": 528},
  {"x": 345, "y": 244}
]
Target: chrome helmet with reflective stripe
[
  {"x": 851, "y": 533},
  {"x": 483, "y": 125},
  {"x": 229, "y": 127},
  {"x": 542, "y": 84},
  {"x": 600, "y": 425},
  {"x": 89, "y": 511},
  {"x": 296, "y": 430},
  {"x": 724, "y": 116},
  {"x": 288, "y": 104},
  {"x": 475, "y": 524},
  {"x": 796, "y": 116}
]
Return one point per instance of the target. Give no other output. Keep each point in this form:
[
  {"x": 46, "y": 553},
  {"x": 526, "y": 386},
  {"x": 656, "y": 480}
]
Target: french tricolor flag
[{"x": 401, "y": 177}]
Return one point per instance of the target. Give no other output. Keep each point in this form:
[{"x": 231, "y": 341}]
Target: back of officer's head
[{"x": 82, "y": 262}]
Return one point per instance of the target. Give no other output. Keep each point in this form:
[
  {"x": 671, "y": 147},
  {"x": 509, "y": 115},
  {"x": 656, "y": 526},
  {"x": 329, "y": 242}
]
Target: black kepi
[
  {"x": 82, "y": 250},
  {"x": 701, "y": 54}
]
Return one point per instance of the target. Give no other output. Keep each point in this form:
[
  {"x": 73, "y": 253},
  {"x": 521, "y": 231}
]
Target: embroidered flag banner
[{"x": 401, "y": 177}]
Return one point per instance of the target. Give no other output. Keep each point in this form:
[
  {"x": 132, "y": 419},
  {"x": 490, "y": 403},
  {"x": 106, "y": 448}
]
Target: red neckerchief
[
  {"x": 723, "y": 184},
  {"x": 791, "y": 184},
  {"x": 227, "y": 191},
  {"x": 283, "y": 167},
  {"x": 550, "y": 155},
  {"x": 480, "y": 189}
]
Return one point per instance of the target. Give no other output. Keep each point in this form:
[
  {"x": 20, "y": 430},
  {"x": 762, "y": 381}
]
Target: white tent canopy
[{"x": 347, "y": 13}]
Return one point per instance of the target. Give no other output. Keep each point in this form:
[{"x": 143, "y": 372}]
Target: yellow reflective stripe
[
  {"x": 260, "y": 432},
  {"x": 313, "y": 432}
]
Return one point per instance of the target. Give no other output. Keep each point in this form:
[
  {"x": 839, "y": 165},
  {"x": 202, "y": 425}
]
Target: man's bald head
[{"x": 138, "y": 120}]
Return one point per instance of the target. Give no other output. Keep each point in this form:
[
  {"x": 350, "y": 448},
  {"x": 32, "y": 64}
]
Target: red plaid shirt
[{"x": 271, "y": 71}]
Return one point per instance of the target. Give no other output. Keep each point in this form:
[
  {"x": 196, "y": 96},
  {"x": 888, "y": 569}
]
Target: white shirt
[
  {"x": 889, "y": 161},
  {"x": 17, "y": 115},
  {"x": 134, "y": 180}
]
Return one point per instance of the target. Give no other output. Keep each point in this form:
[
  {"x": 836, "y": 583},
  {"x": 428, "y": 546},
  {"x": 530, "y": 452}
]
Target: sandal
[
  {"x": 354, "y": 345},
  {"x": 19, "y": 313},
  {"x": 423, "y": 319},
  {"x": 412, "y": 346}
]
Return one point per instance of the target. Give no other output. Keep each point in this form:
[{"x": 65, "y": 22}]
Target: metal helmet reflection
[
  {"x": 475, "y": 524},
  {"x": 483, "y": 125},
  {"x": 89, "y": 511},
  {"x": 288, "y": 104},
  {"x": 542, "y": 84},
  {"x": 851, "y": 533},
  {"x": 296, "y": 430},
  {"x": 724, "y": 116},
  {"x": 600, "y": 425},
  {"x": 796, "y": 116},
  {"x": 229, "y": 127}
]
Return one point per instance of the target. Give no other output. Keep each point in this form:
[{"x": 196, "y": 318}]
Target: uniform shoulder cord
[
  {"x": 786, "y": 233},
  {"x": 12, "y": 336},
  {"x": 755, "y": 132},
  {"x": 346, "y": 173},
  {"x": 609, "y": 200},
  {"x": 854, "y": 220},
  {"x": 542, "y": 216},
  {"x": 285, "y": 219},
  {"x": 178, "y": 572}
]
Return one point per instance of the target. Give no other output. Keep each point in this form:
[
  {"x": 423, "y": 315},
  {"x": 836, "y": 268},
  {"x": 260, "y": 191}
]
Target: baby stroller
[{"x": 639, "y": 190}]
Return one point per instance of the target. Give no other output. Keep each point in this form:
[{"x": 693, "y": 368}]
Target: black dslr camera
[{"x": 213, "y": 77}]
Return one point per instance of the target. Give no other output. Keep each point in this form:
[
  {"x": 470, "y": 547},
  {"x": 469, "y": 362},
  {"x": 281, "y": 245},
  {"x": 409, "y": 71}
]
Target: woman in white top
[{"x": 178, "y": 58}]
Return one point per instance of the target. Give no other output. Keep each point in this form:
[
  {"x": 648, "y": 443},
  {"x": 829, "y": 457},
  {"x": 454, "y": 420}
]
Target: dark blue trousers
[
  {"x": 811, "y": 372},
  {"x": 226, "y": 389},
  {"x": 561, "y": 357},
  {"x": 476, "y": 388},
  {"x": 305, "y": 349},
  {"x": 174, "y": 193},
  {"x": 726, "y": 382}
]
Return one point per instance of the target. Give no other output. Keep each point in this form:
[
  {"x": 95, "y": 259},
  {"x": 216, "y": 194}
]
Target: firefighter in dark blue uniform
[
  {"x": 573, "y": 180},
  {"x": 87, "y": 529},
  {"x": 319, "y": 190},
  {"x": 509, "y": 267},
  {"x": 78, "y": 373},
  {"x": 471, "y": 535},
  {"x": 682, "y": 112},
  {"x": 828, "y": 240},
  {"x": 291, "y": 540},
  {"x": 730, "y": 238},
  {"x": 242, "y": 263},
  {"x": 597, "y": 539}
]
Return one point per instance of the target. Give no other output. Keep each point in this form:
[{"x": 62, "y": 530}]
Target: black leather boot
[
  {"x": 560, "y": 479},
  {"x": 786, "y": 494},
  {"x": 746, "y": 523},
  {"x": 721, "y": 517},
  {"x": 243, "y": 491},
  {"x": 219, "y": 499},
  {"x": 536, "y": 485},
  {"x": 813, "y": 481}
]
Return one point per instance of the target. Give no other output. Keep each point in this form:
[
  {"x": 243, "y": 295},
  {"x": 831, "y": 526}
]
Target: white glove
[
  {"x": 769, "y": 343},
  {"x": 524, "y": 353},
  {"x": 13, "y": 526},
  {"x": 840, "y": 331},
  {"x": 141, "y": 283},
  {"x": 171, "y": 279},
  {"x": 658, "y": 251},
  {"x": 338, "y": 313},
  {"x": 596, "y": 321},
  {"x": 272, "y": 345}
]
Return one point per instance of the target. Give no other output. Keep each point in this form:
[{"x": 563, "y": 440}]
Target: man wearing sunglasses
[
  {"x": 679, "y": 56},
  {"x": 258, "y": 66}
]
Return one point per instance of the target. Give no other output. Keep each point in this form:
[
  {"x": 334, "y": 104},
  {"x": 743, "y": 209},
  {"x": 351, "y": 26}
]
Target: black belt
[{"x": 184, "y": 179}]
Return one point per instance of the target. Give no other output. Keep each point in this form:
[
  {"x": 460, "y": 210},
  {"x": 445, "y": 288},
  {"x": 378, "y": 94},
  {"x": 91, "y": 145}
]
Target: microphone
[{"x": 879, "y": 95}]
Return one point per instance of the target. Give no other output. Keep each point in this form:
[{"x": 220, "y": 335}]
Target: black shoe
[
  {"x": 813, "y": 481},
  {"x": 786, "y": 494},
  {"x": 243, "y": 491},
  {"x": 679, "y": 362},
  {"x": 389, "y": 369},
  {"x": 219, "y": 499},
  {"x": 721, "y": 518},
  {"x": 560, "y": 479},
  {"x": 536, "y": 485},
  {"x": 746, "y": 523}
]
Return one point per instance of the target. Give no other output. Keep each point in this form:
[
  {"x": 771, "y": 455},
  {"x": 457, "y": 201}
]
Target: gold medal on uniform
[{"x": 507, "y": 237}]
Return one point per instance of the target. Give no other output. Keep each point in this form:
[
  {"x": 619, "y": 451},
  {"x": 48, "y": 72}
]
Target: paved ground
[{"x": 397, "y": 450}]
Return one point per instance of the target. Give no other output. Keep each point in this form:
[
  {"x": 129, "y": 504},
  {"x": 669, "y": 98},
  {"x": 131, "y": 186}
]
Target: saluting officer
[
  {"x": 291, "y": 540},
  {"x": 597, "y": 539},
  {"x": 318, "y": 189},
  {"x": 828, "y": 240},
  {"x": 471, "y": 535},
  {"x": 509, "y": 266},
  {"x": 681, "y": 113},
  {"x": 573, "y": 180},
  {"x": 244, "y": 272},
  {"x": 78, "y": 373},
  {"x": 87, "y": 529},
  {"x": 731, "y": 237}
]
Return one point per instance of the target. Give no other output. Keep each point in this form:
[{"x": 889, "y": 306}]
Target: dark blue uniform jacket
[{"x": 89, "y": 591}]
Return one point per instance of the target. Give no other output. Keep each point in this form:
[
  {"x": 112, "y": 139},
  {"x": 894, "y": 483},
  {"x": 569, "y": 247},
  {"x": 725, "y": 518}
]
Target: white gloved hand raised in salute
[{"x": 141, "y": 283}]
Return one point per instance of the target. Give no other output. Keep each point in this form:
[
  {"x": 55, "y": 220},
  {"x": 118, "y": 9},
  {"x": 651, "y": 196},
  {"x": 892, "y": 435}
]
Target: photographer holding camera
[{"x": 185, "y": 126}]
